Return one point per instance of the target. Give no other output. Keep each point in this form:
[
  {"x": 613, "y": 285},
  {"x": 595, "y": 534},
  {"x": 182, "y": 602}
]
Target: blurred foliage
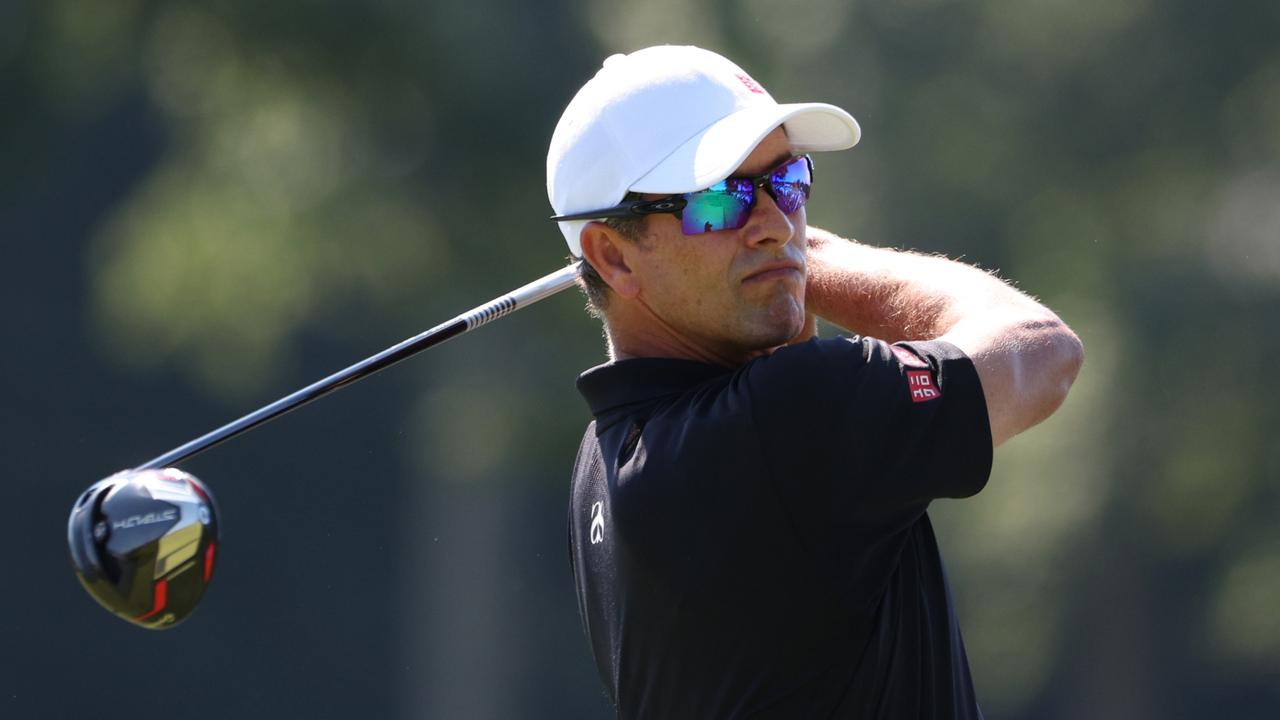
[{"x": 320, "y": 179}]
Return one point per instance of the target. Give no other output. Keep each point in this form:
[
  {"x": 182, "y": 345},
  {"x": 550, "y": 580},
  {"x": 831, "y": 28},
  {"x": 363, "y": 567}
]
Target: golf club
[{"x": 144, "y": 541}]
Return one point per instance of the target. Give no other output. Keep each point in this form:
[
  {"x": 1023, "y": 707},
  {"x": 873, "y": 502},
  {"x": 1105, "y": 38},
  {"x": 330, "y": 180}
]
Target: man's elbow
[
  {"x": 1061, "y": 355},
  {"x": 1027, "y": 366},
  {"x": 1072, "y": 359}
]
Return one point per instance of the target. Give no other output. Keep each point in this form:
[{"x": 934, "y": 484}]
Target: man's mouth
[{"x": 774, "y": 271}]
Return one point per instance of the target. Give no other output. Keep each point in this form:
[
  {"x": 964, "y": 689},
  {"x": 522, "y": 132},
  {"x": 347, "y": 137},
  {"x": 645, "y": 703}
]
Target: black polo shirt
[{"x": 753, "y": 542}]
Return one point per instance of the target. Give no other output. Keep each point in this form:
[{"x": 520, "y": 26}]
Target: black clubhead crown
[{"x": 143, "y": 543}]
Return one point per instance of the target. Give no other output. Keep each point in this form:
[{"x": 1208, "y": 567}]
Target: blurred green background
[{"x": 206, "y": 205}]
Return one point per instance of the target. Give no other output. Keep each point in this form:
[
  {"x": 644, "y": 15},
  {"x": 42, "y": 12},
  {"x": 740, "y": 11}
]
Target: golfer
[{"x": 748, "y": 523}]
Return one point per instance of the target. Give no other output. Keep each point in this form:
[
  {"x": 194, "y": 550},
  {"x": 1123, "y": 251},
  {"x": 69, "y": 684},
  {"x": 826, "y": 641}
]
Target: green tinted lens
[{"x": 723, "y": 206}]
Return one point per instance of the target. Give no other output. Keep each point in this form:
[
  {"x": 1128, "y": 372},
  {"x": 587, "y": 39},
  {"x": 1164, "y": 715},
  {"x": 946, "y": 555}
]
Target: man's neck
[
  {"x": 639, "y": 333},
  {"x": 665, "y": 343}
]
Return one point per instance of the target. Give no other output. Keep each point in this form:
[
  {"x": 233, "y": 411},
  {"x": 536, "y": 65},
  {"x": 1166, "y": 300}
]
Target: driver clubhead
[{"x": 143, "y": 544}]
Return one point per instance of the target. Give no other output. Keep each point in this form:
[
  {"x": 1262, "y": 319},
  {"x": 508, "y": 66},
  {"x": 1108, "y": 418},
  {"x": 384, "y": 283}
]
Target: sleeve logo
[
  {"x": 923, "y": 388},
  {"x": 597, "y": 523}
]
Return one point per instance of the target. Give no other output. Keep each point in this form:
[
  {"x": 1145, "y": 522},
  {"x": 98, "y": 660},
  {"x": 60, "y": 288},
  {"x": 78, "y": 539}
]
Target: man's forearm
[
  {"x": 895, "y": 295},
  {"x": 1025, "y": 355}
]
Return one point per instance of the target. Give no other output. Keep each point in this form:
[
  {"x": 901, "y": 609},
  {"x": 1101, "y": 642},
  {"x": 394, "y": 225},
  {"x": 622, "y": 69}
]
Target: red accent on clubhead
[
  {"x": 208, "y": 561},
  {"x": 162, "y": 596},
  {"x": 199, "y": 492}
]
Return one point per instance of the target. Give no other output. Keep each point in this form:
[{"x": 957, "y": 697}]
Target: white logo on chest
[{"x": 597, "y": 523}]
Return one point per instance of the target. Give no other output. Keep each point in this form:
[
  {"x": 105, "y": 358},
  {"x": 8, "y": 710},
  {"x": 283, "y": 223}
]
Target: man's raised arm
[{"x": 1025, "y": 355}]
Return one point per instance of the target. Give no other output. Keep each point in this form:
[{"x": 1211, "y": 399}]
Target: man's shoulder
[
  {"x": 841, "y": 349},
  {"x": 816, "y": 363}
]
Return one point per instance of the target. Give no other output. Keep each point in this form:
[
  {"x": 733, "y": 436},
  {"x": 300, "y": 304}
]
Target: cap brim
[{"x": 717, "y": 151}]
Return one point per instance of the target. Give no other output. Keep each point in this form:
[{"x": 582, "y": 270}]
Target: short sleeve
[{"x": 870, "y": 430}]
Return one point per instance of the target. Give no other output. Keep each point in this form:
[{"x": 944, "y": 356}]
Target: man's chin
[
  {"x": 788, "y": 323},
  {"x": 791, "y": 333}
]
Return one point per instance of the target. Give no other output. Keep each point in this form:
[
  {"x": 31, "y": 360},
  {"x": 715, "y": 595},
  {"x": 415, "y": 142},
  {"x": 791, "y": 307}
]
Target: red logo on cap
[
  {"x": 752, "y": 85},
  {"x": 923, "y": 388}
]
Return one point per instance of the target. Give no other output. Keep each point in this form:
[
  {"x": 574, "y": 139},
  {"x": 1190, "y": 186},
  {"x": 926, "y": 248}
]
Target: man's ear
[{"x": 607, "y": 250}]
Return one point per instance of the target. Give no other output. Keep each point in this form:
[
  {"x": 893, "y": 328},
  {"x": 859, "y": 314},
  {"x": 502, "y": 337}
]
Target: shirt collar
[{"x": 637, "y": 380}]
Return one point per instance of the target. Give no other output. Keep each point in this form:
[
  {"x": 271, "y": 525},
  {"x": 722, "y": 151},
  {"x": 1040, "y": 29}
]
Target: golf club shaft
[{"x": 520, "y": 297}]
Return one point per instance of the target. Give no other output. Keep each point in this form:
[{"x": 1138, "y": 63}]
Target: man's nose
[{"x": 768, "y": 224}]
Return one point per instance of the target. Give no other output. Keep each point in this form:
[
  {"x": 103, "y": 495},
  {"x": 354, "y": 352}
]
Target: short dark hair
[{"x": 589, "y": 280}]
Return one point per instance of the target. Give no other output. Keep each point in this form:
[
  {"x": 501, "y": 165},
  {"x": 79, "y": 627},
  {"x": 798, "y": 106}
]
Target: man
[{"x": 747, "y": 524}]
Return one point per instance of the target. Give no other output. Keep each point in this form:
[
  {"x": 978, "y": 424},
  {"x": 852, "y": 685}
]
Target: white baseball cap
[{"x": 668, "y": 120}]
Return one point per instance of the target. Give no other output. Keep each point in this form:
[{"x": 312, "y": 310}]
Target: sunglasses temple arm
[
  {"x": 634, "y": 208},
  {"x": 598, "y": 214}
]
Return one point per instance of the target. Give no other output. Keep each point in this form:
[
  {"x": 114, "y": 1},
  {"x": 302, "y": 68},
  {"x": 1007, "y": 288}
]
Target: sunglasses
[{"x": 723, "y": 206}]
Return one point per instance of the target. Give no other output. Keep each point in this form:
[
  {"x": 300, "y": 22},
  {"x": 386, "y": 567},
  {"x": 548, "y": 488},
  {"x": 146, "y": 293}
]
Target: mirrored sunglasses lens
[
  {"x": 724, "y": 206},
  {"x": 791, "y": 185}
]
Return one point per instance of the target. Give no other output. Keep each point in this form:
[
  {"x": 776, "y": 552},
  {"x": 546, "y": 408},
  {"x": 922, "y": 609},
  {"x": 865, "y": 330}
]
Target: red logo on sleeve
[{"x": 923, "y": 388}]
